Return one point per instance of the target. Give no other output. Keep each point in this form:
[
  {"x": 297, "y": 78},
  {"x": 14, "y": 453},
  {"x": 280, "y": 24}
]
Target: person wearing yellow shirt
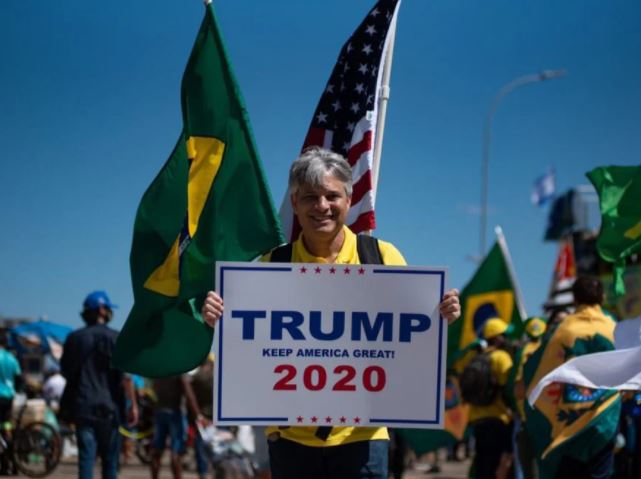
[
  {"x": 492, "y": 423},
  {"x": 535, "y": 327},
  {"x": 320, "y": 188}
]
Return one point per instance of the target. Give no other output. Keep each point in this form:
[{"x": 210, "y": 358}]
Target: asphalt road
[{"x": 68, "y": 469}]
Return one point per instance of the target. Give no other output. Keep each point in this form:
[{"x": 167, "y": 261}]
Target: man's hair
[
  {"x": 91, "y": 315},
  {"x": 587, "y": 290},
  {"x": 313, "y": 164}
]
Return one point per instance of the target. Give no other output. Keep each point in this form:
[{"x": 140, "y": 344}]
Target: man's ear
[{"x": 294, "y": 201}]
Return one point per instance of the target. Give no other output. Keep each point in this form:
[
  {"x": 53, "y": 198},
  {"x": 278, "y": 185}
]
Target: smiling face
[{"x": 321, "y": 210}]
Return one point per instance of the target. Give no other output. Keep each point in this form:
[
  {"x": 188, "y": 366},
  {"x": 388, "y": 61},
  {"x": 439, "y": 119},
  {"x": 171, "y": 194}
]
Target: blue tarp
[{"x": 44, "y": 330}]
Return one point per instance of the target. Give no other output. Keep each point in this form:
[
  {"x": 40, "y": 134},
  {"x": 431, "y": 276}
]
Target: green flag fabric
[
  {"x": 569, "y": 420},
  {"x": 210, "y": 202},
  {"x": 619, "y": 189},
  {"x": 489, "y": 294}
]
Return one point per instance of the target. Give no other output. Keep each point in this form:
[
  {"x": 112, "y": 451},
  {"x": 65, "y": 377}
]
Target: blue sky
[{"x": 90, "y": 110}]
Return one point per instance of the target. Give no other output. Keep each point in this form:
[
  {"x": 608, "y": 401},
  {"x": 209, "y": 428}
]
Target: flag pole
[
  {"x": 520, "y": 304},
  {"x": 382, "y": 102}
]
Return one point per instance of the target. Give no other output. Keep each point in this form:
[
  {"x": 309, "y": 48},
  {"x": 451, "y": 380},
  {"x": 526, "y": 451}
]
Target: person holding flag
[
  {"x": 572, "y": 428},
  {"x": 320, "y": 186}
]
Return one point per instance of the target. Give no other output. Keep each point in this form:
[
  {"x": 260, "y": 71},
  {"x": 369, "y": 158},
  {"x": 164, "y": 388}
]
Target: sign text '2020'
[{"x": 316, "y": 377}]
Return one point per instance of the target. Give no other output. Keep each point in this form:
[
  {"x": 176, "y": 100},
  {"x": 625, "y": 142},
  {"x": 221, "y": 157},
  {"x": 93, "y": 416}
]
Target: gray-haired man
[{"x": 320, "y": 187}]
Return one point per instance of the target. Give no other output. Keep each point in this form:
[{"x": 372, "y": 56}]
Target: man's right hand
[{"x": 212, "y": 308}]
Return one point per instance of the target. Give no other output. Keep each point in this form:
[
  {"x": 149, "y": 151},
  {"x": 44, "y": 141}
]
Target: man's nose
[{"x": 322, "y": 203}]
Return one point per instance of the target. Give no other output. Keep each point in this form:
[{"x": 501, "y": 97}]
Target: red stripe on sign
[
  {"x": 359, "y": 148},
  {"x": 365, "y": 222},
  {"x": 362, "y": 186},
  {"x": 315, "y": 137}
]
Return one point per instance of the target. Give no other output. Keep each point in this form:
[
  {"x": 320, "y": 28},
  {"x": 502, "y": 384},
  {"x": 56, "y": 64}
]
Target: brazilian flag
[
  {"x": 492, "y": 292},
  {"x": 569, "y": 420},
  {"x": 210, "y": 202},
  {"x": 455, "y": 423},
  {"x": 619, "y": 189}
]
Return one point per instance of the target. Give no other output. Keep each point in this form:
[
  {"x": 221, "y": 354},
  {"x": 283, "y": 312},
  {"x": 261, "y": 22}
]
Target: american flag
[{"x": 346, "y": 116}]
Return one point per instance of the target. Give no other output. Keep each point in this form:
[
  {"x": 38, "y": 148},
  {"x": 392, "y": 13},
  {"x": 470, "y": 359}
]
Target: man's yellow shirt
[{"x": 340, "y": 434}]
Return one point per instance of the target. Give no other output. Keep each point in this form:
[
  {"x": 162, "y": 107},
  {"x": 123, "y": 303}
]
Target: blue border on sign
[
  {"x": 440, "y": 350},
  {"x": 286, "y": 419},
  {"x": 219, "y": 359}
]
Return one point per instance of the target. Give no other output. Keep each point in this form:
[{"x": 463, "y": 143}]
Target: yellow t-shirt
[
  {"x": 339, "y": 434},
  {"x": 501, "y": 364}
]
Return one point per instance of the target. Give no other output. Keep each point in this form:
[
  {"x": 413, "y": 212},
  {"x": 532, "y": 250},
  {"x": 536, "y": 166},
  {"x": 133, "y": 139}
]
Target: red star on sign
[
  {"x": 328, "y": 419},
  {"x": 346, "y": 270},
  {"x": 343, "y": 419},
  {"x": 357, "y": 420},
  {"x": 299, "y": 419},
  {"x": 303, "y": 270},
  {"x": 361, "y": 271},
  {"x": 332, "y": 270},
  {"x": 318, "y": 270},
  {"x": 314, "y": 419}
]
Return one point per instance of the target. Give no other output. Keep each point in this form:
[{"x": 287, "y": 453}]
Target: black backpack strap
[
  {"x": 282, "y": 254},
  {"x": 368, "y": 250}
]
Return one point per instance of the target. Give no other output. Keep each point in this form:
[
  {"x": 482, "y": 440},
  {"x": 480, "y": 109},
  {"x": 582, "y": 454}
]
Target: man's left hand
[{"x": 450, "y": 307}]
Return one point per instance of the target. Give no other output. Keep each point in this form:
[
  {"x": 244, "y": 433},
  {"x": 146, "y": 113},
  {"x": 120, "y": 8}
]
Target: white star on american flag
[
  {"x": 321, "y": 117},
  {"x": 367, "y": 49},
  {"x": 370, "y": 30},
  {"x": 330, "y": 88},
  {"x": 336, "y": 105},
  {"x": 375, "y": 12},
  {"x": 359, "y": 88},
  {"x": 363, "y": 68},
  {"x": 355, "y": 107}
]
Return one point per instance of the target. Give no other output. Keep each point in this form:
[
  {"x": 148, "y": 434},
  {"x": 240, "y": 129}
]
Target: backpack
[
  {"x": 478, "y": 386},
  {"x": 366, "y": 246}
]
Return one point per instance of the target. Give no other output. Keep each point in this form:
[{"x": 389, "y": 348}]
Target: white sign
[{"x": 328, "y": 344}]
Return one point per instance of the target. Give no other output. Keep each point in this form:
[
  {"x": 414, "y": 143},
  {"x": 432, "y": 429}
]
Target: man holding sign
[{"x": 320, "y": 187}]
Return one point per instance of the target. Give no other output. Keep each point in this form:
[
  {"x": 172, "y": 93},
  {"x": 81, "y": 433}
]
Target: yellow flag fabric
[{"x": 566, "y": 419}]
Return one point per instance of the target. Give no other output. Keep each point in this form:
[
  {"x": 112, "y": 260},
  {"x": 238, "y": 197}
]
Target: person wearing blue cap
[{"x": 94, "y": 397}]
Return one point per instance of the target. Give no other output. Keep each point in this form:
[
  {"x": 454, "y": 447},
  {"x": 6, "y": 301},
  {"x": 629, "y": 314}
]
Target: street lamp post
[{"x": 487, "y": 133}]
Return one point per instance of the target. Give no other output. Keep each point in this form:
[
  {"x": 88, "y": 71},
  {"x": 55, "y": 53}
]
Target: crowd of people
[
  {"x": 497, "y": 374},
  {"x": 508, "y": 437}
]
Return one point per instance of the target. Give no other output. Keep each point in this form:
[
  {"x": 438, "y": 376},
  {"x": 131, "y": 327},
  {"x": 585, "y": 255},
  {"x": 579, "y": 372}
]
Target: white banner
[{"x": 324, "y": 344}]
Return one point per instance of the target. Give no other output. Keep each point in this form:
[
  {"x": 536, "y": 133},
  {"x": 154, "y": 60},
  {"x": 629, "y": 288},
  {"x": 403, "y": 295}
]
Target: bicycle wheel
[{"x": 36, "y": 449}]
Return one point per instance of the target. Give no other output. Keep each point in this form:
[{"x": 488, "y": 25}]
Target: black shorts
[{"x": 5, "y": 409}]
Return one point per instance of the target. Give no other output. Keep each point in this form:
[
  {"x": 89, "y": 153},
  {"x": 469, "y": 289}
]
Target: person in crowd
[
  {"x": 489, "y": 414},
  {"x": 10, "y": 378},
  {"x": 202, "y": 383},
  {"x": 576, "y": 426},
  {"x": 53, "y": 388},
  {"x": 320, "y": 188},
  {"x": 170, "y": 421},
  {"x": 95, "y": 395},
  {"x": 535, "y": 327}
]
